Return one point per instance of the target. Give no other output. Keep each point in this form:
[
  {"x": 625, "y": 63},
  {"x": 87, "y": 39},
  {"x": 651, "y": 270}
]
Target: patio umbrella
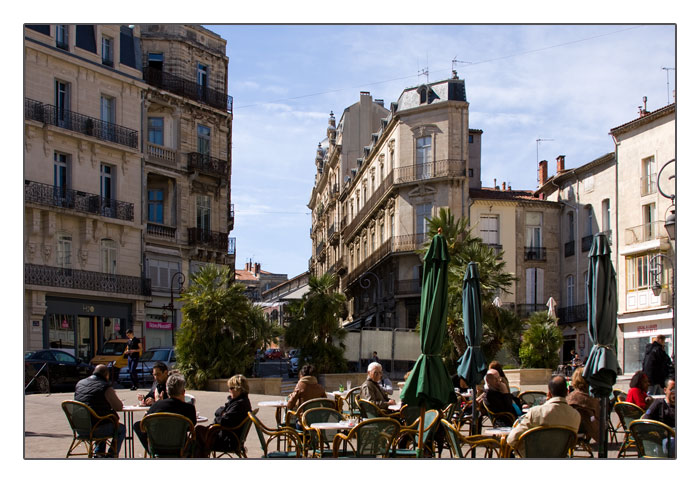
[
  {"x": 472, "y": 364},
  {"x": 429, "y": 385},
  {"x": 601, "y": 296},
  {"x": 552, "y": 311}
]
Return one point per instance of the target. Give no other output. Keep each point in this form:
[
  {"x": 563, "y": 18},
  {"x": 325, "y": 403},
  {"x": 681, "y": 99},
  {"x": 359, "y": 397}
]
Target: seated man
[
  {"x": 372, "y": 391},
  {"x": 175, "y": 403},
  {"x": 158, "y": 390},
  {"x": 664, "y": 410},
  {"x": 97, "y": 393},
  {"x": 554, "y": 412},
  {"x": 498, "y": 400}
]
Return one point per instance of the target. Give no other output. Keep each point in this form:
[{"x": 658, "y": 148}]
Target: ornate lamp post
[
  {"x": 655, "y": 269},
  {"x": 171, "y": 306}
]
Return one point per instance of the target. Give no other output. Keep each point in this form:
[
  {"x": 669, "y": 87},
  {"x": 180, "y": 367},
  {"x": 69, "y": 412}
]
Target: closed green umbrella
[
  {"x": 601, "y": 297},
  {"x": 429, "y": 385},
  {"x": 472, "y": 364}
]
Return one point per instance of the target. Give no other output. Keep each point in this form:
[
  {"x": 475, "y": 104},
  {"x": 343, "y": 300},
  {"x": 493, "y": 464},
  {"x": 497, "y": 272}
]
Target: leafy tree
[
  {"x": 541, "y": 342},
  {"x": 313, "y": 325},
  {"x": 220, "y": 329},
  {"x": 501, "y": 327}
]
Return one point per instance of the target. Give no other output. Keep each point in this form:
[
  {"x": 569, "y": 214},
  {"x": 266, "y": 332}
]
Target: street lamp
[
  {"x": 171, "y": 306},
  {"x": 655, "y": 269},
  {"x": 366, "y": 282},
  {"x": 670, "y": 223}
]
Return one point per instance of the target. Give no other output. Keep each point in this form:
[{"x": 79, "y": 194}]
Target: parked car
[
  {"x": 62, "y": 371},
  {"x": 112, "y": 351},
  {"x": 259, "y": 355},
  {"x": 293, "y": 367},
  {"x": 271, "y": 354},
  {"x": 144, "y": 370},
  {"x": 293, "y": 353}
]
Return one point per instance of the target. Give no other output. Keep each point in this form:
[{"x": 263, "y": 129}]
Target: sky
[{"x": 569, "y": 84}]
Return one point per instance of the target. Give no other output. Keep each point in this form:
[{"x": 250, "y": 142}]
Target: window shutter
[
  {"x": 530, "y": 286},
  {"x": 539, "y": 274}
]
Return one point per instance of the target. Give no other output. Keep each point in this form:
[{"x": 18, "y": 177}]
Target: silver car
[{"x": 144, "y": 370}]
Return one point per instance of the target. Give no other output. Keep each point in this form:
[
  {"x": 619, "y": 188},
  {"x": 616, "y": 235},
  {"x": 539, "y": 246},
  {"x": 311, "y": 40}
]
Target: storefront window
[
  {"x": 62, "y": 331},
  {"x": 634, "y": 352}
]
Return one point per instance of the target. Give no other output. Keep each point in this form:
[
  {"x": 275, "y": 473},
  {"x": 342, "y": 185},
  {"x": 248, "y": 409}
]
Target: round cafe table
[
  {"x": 279, "y": 405},
  {"x": 503, "y": 433},
  {"x": 129, "y": 411}
]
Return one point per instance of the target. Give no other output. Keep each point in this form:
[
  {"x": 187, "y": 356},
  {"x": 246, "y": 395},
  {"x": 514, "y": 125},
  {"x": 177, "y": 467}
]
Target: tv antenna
[
  {"x": 425, "y": 73},
  {"x": 538, "y": 141},
  {"x": 668, "y": 95},
  {"x": 455, "y": 62}
]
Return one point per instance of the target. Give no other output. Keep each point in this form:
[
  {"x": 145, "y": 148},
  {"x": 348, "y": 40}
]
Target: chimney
[
  {"x": 504, "y": 186},
  {"x": 560, "y": 163},
  {"x": 509, "y": 188},
  {"x": 643, "y": 110},
  {"x": 257, "y": 269},
  {"x": 247, "y": 266},
  {"x": 495, "y": 183},
  {"x": 543, "y": 172}
]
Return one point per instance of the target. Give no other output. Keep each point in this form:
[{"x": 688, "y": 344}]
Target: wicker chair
[
  {"x": 353, "y": 409},
  {"x": 169, "y": 435},
  {"x": 372, "y": 437},
  {"x": 236, "y": 436},
  {"x": 410, "y": 435},
  {"x": 319, "y": 441},
  {"x": 457, "y": 441},
  {"x": 586, "y": 430},
  {"x": 654, "y": 439},
  {"x": 369, "y": 410},
  {"x": 294, "y": 416},
  {"x": 627, "y": 412},
  {"x": 546, "y": 442},
  {"x": 84, "y": 422},
  {"x": 498, "y": 419},
  {"x": 533, "y": 398},
  {"x": 268, "y": 435}
]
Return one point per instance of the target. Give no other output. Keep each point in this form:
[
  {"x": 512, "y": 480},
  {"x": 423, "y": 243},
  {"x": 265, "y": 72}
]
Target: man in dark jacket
[
  {"x": 98, "y": 394},
  {"x": 175, "y": 403},
  {"x": 498, "y": 400},
  {"x": 657, "y": 365},
  {"x": 159, "y": 389}
]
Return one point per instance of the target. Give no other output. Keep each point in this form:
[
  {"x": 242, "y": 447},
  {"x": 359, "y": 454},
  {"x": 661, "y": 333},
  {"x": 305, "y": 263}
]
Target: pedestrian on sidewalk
[{"x": 657, "y": 365}]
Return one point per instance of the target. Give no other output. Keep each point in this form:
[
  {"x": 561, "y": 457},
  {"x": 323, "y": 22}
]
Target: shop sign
[
  {"x": 151, "y": 324},
  {"x": 64, "y": 324},
  {"x": 647, "y": 329}
]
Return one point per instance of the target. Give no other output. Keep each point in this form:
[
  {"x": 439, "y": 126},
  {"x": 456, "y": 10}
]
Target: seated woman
[
  {"x": 588, "y": 405},
  {"x": 231, "y": 414},
  {"x": 307, "y": 388},
  {"x": 639, "y": 384}
]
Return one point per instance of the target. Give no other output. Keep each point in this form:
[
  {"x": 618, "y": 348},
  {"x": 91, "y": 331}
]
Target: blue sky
[{"x": 570, "y": 83}]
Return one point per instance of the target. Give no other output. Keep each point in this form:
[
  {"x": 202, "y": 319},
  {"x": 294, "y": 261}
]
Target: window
[
  {"x": 423, "y": 92},
  {"x": 62, "y": 102},
  {"x": 570, "y": 292},
  {"x": 161, "y": 272},
  {"x": 589, "y": 220},
  {"x": 423, "y": 212},
  {"x": 107, "y": 51},
  {"x": 107, "y": 115},
  {"x": 203, "y": 139},
  {"x": 392, "y": 233},
  {"x": 488, "y": 226},
  {"x": 202, "y": 74},
  {"x": 649, "y": 218},
  {"x": 423, "y": 157},
  {"x": 108, "y": 254},
  {"x": 63, "y": 250},
  {"x": 571, "y": 227},
  {"x": 471, "y": 139},
  {"x": 381, "y": 232},
  {"x": 62, "y": 37},
  {"x": 155, "y": 130},
  {"x": 61, "y": 179},
  {"x": 155, "y": 205},
  {"x": 371, "y": 240},
  {"x": 606, "y": 214},
  {"x": 107, "y": 185},
  {"x": 533, "y": 230},
  {"x": 364, "y": 247},
  {"x": 203, "y": 209},
  {"x": 534, "y": 286},
  {"x": 648, "y": 176},
  {"x": 638, "y": 272},
  {"x": 471, "y": 172},
  {"x": 85, "y": 38}
]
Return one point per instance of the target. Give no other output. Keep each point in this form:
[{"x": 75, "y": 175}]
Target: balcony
[
  {"x": 207, "y": 164},
  {"x": 231, "y": 216},
  {"x": 212, "y": 240},
  {"x": 431, "y": 170},
  {"x": 49, "y": 195},
  {"x": 319, "y": 248},
  {"x": 408, "y": 287},
  {"x": 569, "y": 248},
  {"x": 646, "y": 232},
  {"x": 409, "y": 243},
  {"x": 535, "y": 254},
  {"x": 586, "y": 243},
  {"x": 575, "y": 313},
  {"x": 187, "y": 88},
  {"x": 383, "y": 250},
  {"x": 161, "y": 231},
  {"x": 647, "y": 184},
  {"x": 332, "y": 235},
  {"x": 161, "y": 154},
  {"x": 73, "y": 121},
  {"x": 369, "y": 205},
  {"x": 85, "y": 280}
]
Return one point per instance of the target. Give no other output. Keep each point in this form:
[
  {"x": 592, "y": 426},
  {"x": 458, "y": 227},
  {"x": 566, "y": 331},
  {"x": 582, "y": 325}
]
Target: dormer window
[{"x": 423, "y": 92}]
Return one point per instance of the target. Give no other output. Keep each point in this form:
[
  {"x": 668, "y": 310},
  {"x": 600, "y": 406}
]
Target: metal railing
[
  {"x": 369, "y": 205},
  {"x": 524, "y": 310},
  {"x": 161, "y": 231},
  {"x": 80, "y": 123},
  {"x": 409, "y": 243},
  {"x": 85, "y": 280},
  {"x": 535, "y": 253},
  {"x": 319, "y": 247},
  {"x": 645, "y": 232},
  {"x": 431, "y": 170},
  {"x": 569, "y": 248},
  {"x": 207, "y": 164},
  {"x": 46, "y": 194},
  {"x": 383, "y": 250},
  {"x": 187, "y": 88},
  {"x": 208, "y": 238},
  {"x": 574, "y": 313}
]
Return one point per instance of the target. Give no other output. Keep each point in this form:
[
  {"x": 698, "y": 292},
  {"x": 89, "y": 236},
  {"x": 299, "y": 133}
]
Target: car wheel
[{"x": 41, "y": 384}]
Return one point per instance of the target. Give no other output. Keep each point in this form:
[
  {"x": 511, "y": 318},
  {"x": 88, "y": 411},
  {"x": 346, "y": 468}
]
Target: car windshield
[
  {"x": 113, "y": 348},
  {"x": 156, "y": 355}
]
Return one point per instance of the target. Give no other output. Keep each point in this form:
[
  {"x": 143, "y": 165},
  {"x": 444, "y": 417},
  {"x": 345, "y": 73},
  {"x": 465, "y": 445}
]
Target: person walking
[
  {"x": 133, "y": 353},
  {"x": 657, "y": 365}
]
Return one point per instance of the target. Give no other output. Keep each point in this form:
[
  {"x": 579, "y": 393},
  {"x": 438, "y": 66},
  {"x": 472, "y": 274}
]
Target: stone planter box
[
  {"x": 528, "y": 377},
  {"x": 258, "y": 385}
]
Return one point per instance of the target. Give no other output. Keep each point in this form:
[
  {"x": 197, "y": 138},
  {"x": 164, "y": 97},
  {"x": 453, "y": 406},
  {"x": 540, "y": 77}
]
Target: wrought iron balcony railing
[
  {"x": 208, "y": 239},
  {"x": 535, "y": 253},
  {"x": 85, "y": 280},
  {"x": 231, "y": 216},
  {"x": 319, "y": 247},
  {"x": 575, "y": 313},
  {"x": 524, "y": 310},
  {"x": 409, "y": 243},
  {"x": 569, "y": 248},
  {"x": 80, "y": 123},
  {"x": 644, "y": 233},
  {"x": 187, "y": 88},
  {"x": 161, "y": 231},
  {"x": 433, "y": 169},
  {"x": 48, "y": 195},
  {"x": 207, "y": 164},
  {"x": 586, "y": 243},
  {"x": 369, "y": 205}
]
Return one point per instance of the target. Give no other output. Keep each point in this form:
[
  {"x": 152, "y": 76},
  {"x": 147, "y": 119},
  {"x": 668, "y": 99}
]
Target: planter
[{"x": 528, "y": 377}]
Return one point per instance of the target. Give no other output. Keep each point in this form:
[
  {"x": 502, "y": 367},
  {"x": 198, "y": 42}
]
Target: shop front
[
  {"x": 82, "y": 326},
  {"x": 157, "y": 331},
  {"x": 638, "y": 330}
]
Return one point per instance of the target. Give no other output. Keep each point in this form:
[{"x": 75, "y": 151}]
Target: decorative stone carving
[
  {"x": 30, "y": 251},
  {"x": 83, "y": 257},
  {"x": 46, "y": 253}
]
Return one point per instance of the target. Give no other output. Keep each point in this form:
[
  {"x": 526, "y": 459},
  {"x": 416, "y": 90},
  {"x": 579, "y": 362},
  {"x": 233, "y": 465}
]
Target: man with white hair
[{"x": 372, "y": 391}]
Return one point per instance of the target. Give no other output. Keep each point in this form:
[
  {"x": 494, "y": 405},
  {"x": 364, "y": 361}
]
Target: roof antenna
[
  {"x": 454, "y": 64},
  {"x": 668, "y": 95}
]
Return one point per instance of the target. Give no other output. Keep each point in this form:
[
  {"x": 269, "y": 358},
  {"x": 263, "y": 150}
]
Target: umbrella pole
[
  {"x": 474, "y": 420},
  {"x": 421, "y": 430},
  {"x": 602, "y": 435}
]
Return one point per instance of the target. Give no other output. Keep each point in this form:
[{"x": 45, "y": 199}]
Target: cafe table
[
  {"x": 280, "y": 405},
  {"x": 129, "y": 411},
  {"x": 658, "y": 396},
  {"x": 502, "y": 433},
  {"x": 395, "y": 407},
  {"x": 337, "y": 425}
]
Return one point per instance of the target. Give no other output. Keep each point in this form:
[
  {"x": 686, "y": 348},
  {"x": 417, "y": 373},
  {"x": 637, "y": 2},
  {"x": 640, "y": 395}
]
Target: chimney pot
[
  {"x": 560, "y": 163},
  {"x": 543, "y": 172},
  {"x": 504, "y": 186},
  {"x": 495, "y": 183}
]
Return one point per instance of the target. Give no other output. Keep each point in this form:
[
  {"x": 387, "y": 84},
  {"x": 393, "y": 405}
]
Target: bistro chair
[
  {"x": 627, "y": 412},
  {"x": 83, "y": 422},
  {"x": 515, "y": 390},
  {"x": 229, "y": 440},
  {"x": 586, "y": 430},
  {"x": 372, "y": 438},
  {"x": 546, "y": 442},
  {"x": 533, "y": 398},
  {"x": 409, "y": 415},
  {"x": 318, "y": 441},
  {"x": 294, "y": 416},
  {"x": 406, "y": 442},
  {"x": 353, "y": 409},
  {"x": 654, "y": 439},
  {"x": 498, "y": 419},
  {"x": 268, "y": 435},
  {"x": 169, "y": 435},
  {"x": 369, "y": 410},
  {"x": 457, "y": 441},
  {"x": 620, "y": 396}
]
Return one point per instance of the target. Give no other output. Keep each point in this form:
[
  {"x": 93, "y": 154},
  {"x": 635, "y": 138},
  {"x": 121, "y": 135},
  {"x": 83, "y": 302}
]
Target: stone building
[{"x": 257, "y": 280}]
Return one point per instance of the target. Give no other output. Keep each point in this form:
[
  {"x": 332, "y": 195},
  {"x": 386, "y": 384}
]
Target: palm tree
[{"x": 541, "y": 342}]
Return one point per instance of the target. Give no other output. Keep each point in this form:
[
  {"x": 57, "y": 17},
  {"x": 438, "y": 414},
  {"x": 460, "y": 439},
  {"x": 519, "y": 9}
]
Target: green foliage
[
  {"x": 541, "y": 342},
  {"x": 220, "y": 330},
  {"x": 313, "y": 326},
  {"x": 502, "y": 329}
]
